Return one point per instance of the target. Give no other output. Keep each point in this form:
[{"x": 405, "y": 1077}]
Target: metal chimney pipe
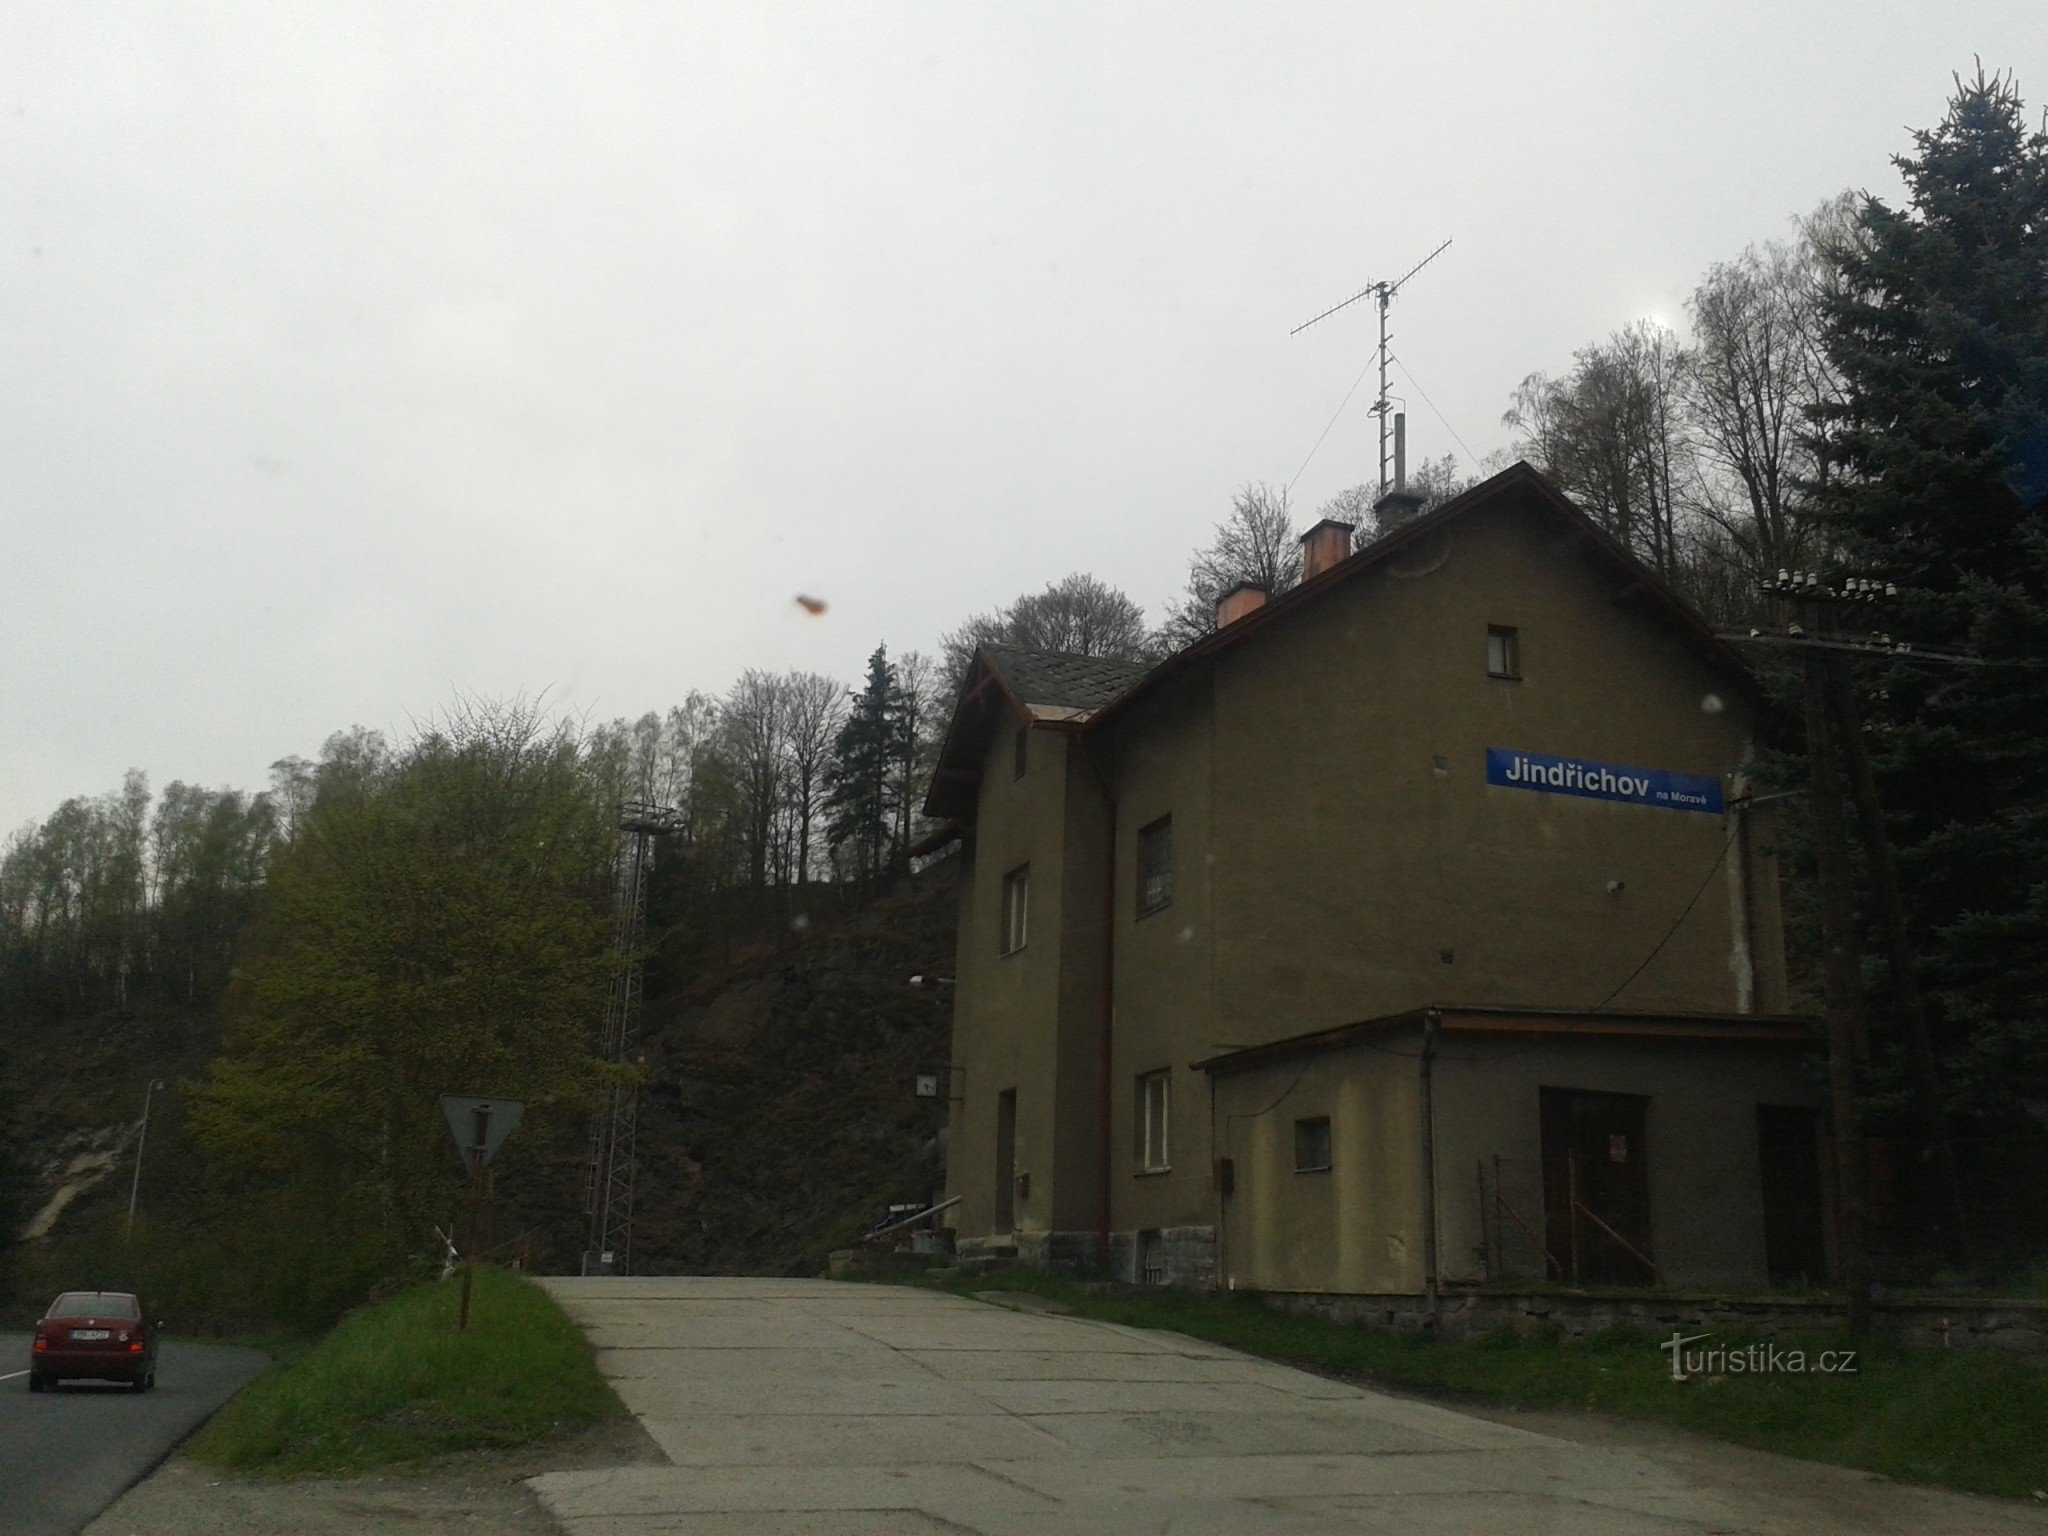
[{"x": 1400, "y": 450}]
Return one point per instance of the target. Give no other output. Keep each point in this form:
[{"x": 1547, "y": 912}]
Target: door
[
  {"x": 1006, "y": 1161},
  {"x": 1596, "y": 1186},
  {"x": 1788, "y": 1157}
]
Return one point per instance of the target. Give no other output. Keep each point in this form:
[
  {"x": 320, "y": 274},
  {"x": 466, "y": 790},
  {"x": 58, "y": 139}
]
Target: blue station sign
[{"x": 1548, "y": 775}]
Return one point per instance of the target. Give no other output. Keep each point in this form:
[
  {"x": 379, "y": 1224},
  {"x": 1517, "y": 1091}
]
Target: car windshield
[{"x": 94, "y": 1304}]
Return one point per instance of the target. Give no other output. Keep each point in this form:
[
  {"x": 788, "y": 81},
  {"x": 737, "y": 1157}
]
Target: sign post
[{"x": 480, "y": 1127}]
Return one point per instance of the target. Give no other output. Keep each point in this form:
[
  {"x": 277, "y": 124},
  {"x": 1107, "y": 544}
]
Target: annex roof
[{"x": 1554, "y": 1023}]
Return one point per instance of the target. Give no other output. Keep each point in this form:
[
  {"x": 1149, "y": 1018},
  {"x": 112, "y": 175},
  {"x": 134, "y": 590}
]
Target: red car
[{"x": 100, "y": 1335}]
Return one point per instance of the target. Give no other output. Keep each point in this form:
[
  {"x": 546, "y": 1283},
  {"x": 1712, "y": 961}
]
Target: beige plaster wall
[
  {"x": 1706, "y": 1191},
  {"x": 1007, "y": 1007},
  {"x": 1359, "y": 1228}
]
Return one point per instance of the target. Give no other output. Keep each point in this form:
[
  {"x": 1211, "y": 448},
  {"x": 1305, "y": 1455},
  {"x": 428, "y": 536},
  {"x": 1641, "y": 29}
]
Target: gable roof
[
  {"x": 1522, "y": 484},
  {"x": 1059, "y": 680},
  {"x": 1090, "y": 691},
  {"x": 1055, "y": 687}
]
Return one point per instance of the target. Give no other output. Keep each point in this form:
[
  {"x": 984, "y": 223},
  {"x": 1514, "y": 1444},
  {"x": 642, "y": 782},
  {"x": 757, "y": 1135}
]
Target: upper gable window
[
  {"x": 1503, "y": 651},
  {"x": 1155, "y": 866},
  {"x": 1022, "y": 748},
  {"x": 1016, "y": 909}
]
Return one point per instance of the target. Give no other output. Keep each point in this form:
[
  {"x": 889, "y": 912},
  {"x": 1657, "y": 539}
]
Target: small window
[
  {"x": 1503, "y": 651},
  {"x": 1150, "y": 1122},
  {"x": 1155, "y": 866},
  {"x": 1312, "y": 1145},
  {"x": 1022, "y": 748},
  {"x": 1016, "y": 908}
]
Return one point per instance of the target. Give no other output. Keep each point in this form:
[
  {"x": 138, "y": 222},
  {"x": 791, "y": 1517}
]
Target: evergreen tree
[
  {"x": 1933, "y": 474},
  {"x": 862, "y": 802}
]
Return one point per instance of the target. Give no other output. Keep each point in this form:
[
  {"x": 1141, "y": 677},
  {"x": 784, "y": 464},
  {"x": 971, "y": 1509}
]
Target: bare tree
[
  {"x": 756, "y": 721},
  {"x": 923, "y": 711},
  {"x": 815, "y": 707},
  {"x": 1611, "y": 433},
  {"x": 1077, "y": 614},
  {"x": 1755, "y": 371},
  {"x": 1255, "y": 543}
]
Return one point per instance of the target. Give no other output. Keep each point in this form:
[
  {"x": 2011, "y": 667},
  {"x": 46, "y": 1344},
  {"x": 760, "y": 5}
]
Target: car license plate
[{"x": 90, "y": 1335}]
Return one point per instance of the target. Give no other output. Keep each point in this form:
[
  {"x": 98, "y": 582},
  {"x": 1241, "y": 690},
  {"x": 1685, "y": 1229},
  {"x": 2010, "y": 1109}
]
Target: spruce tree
[
  {"x": 861, "y": 804},
  {"x": 1933, "y": 475}
]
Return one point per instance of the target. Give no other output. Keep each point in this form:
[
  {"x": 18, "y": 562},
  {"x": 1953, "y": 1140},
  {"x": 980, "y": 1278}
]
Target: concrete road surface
[
  {"x": 68, "y": 1453},
  {"x": 815, "y": 1408}
]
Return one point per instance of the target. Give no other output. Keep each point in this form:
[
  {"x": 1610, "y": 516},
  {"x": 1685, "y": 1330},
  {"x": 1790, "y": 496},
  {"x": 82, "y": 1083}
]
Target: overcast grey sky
[{"x": 351, "y": 355}]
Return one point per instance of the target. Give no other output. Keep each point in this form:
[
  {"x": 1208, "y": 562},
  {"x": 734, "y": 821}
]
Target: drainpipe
[
  {"x": 1102, "y": 1108},
  {"x": 1431, "y": 1022},
  {"x": 1108, "y": 1008},
  {"x": 1216, "y": 1156}
]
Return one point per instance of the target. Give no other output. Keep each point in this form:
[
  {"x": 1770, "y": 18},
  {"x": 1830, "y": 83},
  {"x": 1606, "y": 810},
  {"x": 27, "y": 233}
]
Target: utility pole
[
  {"x": 1383, "y": 293},
  {"x": 1841, "y": 989},
  {"x": 1839, "y": 768},
  {"x": 1936, "y": 1145},
  {"x": 141, "y": 1141}
]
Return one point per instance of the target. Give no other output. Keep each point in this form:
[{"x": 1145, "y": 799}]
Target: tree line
[{"x": 1870, "y": 396}]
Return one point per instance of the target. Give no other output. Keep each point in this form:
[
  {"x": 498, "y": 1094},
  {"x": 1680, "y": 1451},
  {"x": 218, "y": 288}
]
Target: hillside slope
[
  {"x": 781, "y": 1114},
  {"x": 778, "y": 1119}
]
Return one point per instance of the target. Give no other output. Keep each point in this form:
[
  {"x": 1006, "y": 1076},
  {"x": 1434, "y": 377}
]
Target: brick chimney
[
  {"x": 1394, "y": 509},
  {"x": 1323, "y": 546},
  {"x": 1239, "y": 601}
]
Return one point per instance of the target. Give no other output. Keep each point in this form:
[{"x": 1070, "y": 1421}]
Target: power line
[
  {"x": 1470, "y": 457},
  {"x": 1672, "y": 932},
  {"x": 1333, "y": 419},
  {"x": 1383, "y": 292}
]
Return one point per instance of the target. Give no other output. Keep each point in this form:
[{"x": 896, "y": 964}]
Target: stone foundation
[
  {"x": 1184, "y": 1256},
  {"x": 1960, "y": 1323}
]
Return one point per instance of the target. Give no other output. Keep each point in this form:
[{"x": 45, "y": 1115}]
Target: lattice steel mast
[
  {"x": 1383, "y": 292},
  {"x": 613, "y": 1157}
]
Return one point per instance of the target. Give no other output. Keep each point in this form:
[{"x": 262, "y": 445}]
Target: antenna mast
[{"x": 1383, "y": 292}]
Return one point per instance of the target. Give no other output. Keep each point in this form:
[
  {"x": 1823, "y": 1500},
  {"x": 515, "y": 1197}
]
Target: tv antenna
[{"x": 1384, "y": 292}]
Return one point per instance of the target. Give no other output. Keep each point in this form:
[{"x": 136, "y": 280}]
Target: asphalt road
[{"x": 67, "y": 1453}]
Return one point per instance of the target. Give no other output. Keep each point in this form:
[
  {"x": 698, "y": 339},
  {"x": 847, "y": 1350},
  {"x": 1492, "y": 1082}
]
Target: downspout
[
  {"x": 1431, "y": 1022},
  {"x": 1742, "y": 926},
  {"x": 1217, "y": 1158},
  {"x": 1105, "y": 1035},
  {"x": 1102, "y": 1108}
]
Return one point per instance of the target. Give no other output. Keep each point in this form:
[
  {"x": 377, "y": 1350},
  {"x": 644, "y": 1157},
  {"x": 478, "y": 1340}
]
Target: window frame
[
  {"x": 1152, "y": 1134},
  {"x": 1015, "y": 930},
  {"x": 1157, "y": 833},
  {"x": 1509, "y": 637},
  {"x": 1329, "y": 1144}
]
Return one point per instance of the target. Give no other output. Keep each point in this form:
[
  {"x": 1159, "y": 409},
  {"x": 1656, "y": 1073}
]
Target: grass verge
[
  {"x": 396, "y": 1382},
  {"x": 1965, "y": 1419}
]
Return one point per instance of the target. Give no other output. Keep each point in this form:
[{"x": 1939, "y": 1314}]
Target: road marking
[{"x": 12, "y": 1374}]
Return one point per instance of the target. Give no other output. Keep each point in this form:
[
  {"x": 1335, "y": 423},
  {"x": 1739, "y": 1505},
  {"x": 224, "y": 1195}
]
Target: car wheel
[
  {"x": 139, "y": 1384},
  {"x": 36, "y": 1382}
]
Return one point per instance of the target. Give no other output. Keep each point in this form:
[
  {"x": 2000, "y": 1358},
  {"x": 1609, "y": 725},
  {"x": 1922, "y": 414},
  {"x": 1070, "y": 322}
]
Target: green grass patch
[
  {"x": 397, "y": 1382},
  {"x": 1964, "y": 1419}
]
